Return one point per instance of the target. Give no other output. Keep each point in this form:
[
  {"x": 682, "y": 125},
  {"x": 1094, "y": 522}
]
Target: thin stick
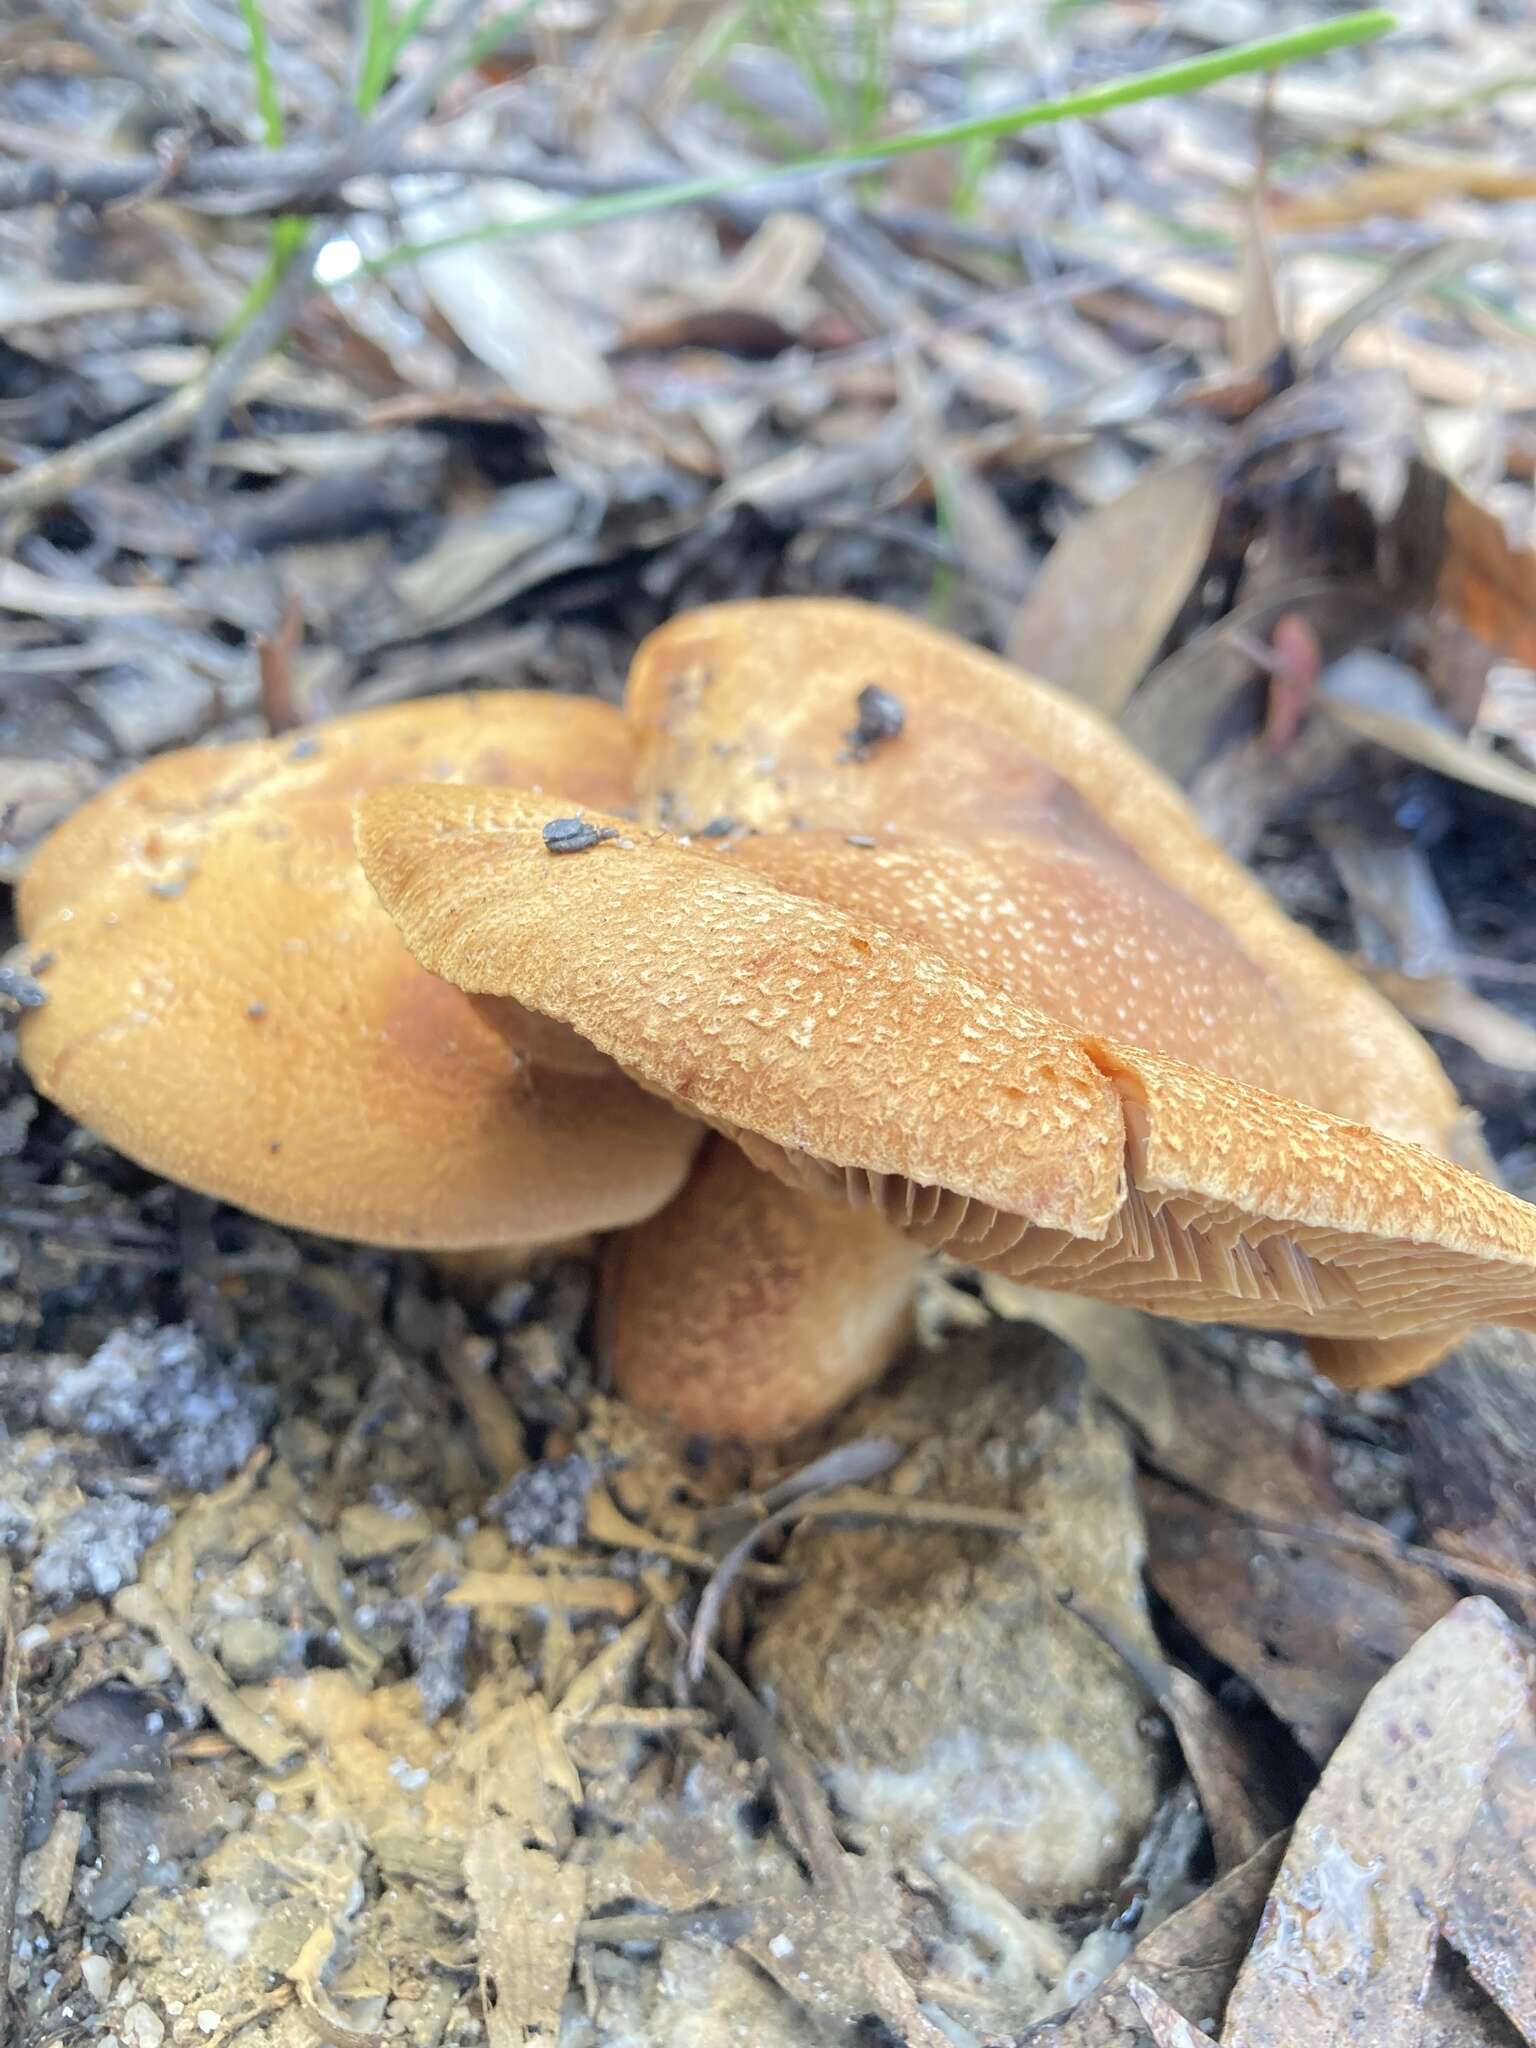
[
  {"x": 13, "y": 1796},
  {"x": 120, "y": 57},
  {"x": 207, "y": 394}
]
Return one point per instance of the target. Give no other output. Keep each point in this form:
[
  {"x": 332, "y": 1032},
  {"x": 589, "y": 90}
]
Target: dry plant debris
[{"x": 346, "y": 1610}]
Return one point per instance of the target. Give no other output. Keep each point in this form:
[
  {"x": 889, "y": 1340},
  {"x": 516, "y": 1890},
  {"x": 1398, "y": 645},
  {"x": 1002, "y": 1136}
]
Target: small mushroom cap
[
  {"x": 743, "y": 711},
  {"x": 750, "y": 1309},
  {"x": 842, "y": 1055},
  {"x": 228, "y": 1005}
]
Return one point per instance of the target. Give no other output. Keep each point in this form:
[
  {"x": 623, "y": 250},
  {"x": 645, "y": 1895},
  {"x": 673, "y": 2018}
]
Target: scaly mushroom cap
[
  {"x": 743, "y": 712},
  {"x": 749, "y": 1309},
  {"x": 1088, "y": 935},
  {"x": 228, "y": 1005},
  {"x": 848, "y": 1058}
]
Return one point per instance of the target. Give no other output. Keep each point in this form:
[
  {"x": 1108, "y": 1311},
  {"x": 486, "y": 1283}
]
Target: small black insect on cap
[
  {"x": 574, "y": 835},
  {"x": 881, "y": 716}
]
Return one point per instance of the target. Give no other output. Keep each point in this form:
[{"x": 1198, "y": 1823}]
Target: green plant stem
[
  {"x": 1168, "y": 79},
  {"x": 268, "y": 105},
  {"x": 289, "y": 231},
  {"x": 378, "y": 42}
]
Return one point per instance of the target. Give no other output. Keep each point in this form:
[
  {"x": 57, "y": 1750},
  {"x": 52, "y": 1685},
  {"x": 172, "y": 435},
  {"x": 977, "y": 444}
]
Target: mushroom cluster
[{"x": 939, "y": 961}]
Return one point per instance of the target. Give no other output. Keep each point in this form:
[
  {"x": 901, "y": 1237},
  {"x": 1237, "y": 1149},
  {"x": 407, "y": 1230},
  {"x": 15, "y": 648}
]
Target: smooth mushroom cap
[
  {"x": 750, "y": 1309},
  {"x": 846, "y": 1057},
  {"x": 743, "y": 713},
  {"x": 228, "y": 1004}
]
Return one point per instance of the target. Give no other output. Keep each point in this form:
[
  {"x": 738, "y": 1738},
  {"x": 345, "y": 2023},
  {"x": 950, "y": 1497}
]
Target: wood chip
[
  {"x": 528, "y": 1911},
  {"x": 304, "y": 1974},
  {"x": 516, "y": 1591},
  {"x": 609, "y": 1672},
  {"x": 269, "y": 1746},
  {"x": 48, "y": 1874},
  {"x": 467, "y": 1361},
  {"x": 523, "y": 1772}
]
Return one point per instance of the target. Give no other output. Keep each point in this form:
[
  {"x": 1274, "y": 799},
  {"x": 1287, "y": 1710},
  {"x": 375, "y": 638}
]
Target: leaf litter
[{"x": 342, "y": 1693}]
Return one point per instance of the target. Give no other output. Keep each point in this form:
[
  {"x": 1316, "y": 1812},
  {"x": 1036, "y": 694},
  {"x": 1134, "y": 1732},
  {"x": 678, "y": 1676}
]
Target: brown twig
[
  {"x": 298, "y": 178},
  {"x": 14, "y": 1776},
  {"x": 866, "y": 1459},
  {"x": 398, "y": 112},
  {"x": 120, "y": 57}
]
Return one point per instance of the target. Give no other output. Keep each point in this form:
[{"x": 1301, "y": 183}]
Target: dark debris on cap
[
  {"x": 882, "y": 716},
  {"x": 575, "y": 835}
]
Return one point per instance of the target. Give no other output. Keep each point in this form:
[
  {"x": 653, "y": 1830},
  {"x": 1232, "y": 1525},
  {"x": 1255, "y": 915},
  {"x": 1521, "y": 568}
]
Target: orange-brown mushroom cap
[
  {"x": 228, "y": 1004},
  {"x": 844, "y": 1056},
  {"x": 743, "y": 712},
  {"x": 750, "y": 1309}
]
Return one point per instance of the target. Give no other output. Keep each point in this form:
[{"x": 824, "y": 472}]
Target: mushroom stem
[
  {"x": 751, "y": 1310},
  {"x": 1362, "y": 1362}
]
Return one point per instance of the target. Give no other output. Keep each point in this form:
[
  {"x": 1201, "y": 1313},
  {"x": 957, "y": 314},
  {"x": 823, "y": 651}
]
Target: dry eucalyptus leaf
[
  {"x": 1225, "y": 1770},
  {"x": 1472, "y": 1422},
  {"x": 1486, "y": 579},
  {"x": 1433, "y": 747},
  {"x": 1345, "y": 1947},
  {"x": 483, "y": 559},
  {"x": 1117, "y": 1345},
  {"x": 1404, "y": 189},
  {"x": 1258, "y": 333},
  {"x": 1493, "y": 1901},
  {"x": 491, "y": 297},
  {"x": 1443, "y": 1002},
  {"x": 1169, "y": 2029},
  {"x": 40, "y": 301},
  {"x": 1115, "y": 582},
  {"x": 1309, "y": 1624},
  {"x": 1191, "y": 1957},
  {"x": 1414, "y": 275}
]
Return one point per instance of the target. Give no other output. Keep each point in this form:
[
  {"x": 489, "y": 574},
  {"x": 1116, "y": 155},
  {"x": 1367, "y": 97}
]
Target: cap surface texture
[
  {"x": 228, "y": 1004},
  {"x": 845, "y": 1056}
]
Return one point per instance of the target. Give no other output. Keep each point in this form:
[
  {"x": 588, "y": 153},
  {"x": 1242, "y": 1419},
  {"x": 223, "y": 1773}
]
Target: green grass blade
[
  {"x": 268, "y": 105},
  {"x": 379, "y": 47},
  {"x": 1188, "y": 76}
]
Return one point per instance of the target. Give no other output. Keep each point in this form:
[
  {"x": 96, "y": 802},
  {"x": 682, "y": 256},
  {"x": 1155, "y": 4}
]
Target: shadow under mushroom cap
[{"x": 842, "y": 1055}]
